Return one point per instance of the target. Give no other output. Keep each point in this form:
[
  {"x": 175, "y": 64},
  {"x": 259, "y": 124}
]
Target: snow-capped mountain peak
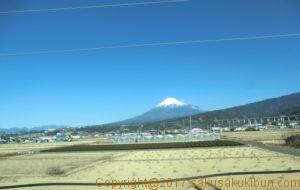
[
  {"x": 170, "y": 108},
  {"x": 171, "y": 102}
]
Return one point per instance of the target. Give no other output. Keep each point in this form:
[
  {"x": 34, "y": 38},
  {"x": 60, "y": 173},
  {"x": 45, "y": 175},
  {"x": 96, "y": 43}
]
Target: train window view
[{"x": 149, "y": 94}]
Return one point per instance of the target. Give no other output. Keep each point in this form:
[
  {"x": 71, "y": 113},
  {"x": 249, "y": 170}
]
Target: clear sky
[{"x": 96, "y": 87}]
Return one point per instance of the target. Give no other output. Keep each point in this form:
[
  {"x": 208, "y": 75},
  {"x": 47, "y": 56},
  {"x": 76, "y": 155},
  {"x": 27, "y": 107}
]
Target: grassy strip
[
  {"x": 4, "y": 155},
  {"x": 192, "y": 144}
]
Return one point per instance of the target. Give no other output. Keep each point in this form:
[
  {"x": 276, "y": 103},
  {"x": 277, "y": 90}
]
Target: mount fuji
[{"x": 170, "y": 108}]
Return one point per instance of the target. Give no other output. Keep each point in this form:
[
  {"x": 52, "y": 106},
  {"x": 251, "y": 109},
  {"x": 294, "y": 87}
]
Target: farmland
[
  {"x": 268, "y": 136},
  {"x": 87, "y": 166},
  {"x": 33, "y": 147}
]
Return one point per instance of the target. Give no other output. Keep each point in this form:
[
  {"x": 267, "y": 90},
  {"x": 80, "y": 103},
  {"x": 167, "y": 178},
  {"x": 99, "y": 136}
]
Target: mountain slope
[
  {"x": 170, "y": 108},
  {"x": 289, "y": 104}
]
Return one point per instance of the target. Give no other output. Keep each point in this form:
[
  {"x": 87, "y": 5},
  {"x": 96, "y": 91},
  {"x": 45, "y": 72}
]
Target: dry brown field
[
  {"x": 122, "y": 165},
  {"x": 266, "y": 136}
]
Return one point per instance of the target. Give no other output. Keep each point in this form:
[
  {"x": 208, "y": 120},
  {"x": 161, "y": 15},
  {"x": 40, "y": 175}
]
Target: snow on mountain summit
[
  {"x": 170, "y": 108},
  {"x": 171, "y": 102}
]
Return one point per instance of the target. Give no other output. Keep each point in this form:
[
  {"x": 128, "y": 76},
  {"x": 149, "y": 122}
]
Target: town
[{"x": 182, "y": 133}]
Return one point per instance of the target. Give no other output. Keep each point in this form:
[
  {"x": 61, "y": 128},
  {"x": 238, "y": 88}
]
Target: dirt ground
[
  {"x": 141, "y": 164},
  {"x": 267, "y": 136},
  {"x": 27, "y": 147}
]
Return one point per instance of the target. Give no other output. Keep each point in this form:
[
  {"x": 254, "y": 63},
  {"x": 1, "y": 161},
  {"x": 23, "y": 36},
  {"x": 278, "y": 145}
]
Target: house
[
  {"x": 2, "y": 141},
  {"x": 240, "y": 129},
  {"x": 196, "y": 131},
  {"x": 46, "y": 139},
  {"x": 76, "y": 137},
  {"x": 61, "y": 137},
  {"x": 226, "y": 129},
  {"x": 216, "y": 129}
]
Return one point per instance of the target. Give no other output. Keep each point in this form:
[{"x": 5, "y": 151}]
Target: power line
[
  {"x": 94, "y": 6},
  {"x": 151, "y": 44}
]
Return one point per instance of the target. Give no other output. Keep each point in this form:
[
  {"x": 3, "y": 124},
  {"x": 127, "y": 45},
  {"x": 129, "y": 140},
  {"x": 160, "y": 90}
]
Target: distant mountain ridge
[
  {"x": 25, "y": 129},
  {"x": 14, "y": 130}
]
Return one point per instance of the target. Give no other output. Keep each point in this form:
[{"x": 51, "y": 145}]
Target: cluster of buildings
[
  {"x": 42, "y": 137},
  {"x": 258, "y": 124},
  {"x": 194, "y": 134},
  {"x": 125, "y": 135}
]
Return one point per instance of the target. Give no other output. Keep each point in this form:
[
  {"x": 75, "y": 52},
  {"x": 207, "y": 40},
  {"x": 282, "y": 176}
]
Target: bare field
[
  {"x": 267, "y": 136},
  {"x": 19, "y": 148},
  {"x": 124, "y": 165}
]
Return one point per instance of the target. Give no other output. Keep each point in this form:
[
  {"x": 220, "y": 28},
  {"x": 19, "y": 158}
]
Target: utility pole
[{"x": 190, "y": 122}]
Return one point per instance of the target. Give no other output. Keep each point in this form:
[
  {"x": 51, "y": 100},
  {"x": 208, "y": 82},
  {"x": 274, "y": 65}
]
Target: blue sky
[{"x": 95, "y": 87}]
